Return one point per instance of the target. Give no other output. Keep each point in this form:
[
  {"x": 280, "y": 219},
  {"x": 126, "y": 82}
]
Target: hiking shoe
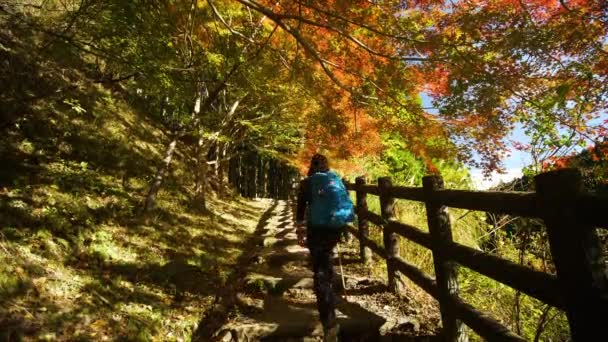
[{"x": 331, "y": 334}]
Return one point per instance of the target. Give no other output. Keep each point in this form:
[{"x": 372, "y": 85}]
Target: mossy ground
[{"x": 78, "y": 258}]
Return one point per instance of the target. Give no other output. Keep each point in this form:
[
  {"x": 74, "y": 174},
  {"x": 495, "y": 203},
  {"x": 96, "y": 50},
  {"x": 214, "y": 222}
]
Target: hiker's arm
[{"x": 302, "y": 201}]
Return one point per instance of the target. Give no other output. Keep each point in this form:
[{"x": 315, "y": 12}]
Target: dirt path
[{"x": 277, "y": 303}]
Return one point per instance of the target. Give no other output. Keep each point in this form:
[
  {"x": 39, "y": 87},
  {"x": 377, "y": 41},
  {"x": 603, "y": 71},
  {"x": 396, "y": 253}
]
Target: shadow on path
[{"x": 226, "y": 298}]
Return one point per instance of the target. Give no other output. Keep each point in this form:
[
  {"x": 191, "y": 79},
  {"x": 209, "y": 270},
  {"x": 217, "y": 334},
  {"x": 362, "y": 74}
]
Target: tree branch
[
  {"x": 270, "y": 14},
  {"x": 221, "y": 19},
  {"x": 279, "y": 17},
  {"x": 352, "y": 22}
]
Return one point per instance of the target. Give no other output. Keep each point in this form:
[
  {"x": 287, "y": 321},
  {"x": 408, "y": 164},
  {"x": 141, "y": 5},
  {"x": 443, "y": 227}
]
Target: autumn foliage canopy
[{"x": 488, "y": 66}]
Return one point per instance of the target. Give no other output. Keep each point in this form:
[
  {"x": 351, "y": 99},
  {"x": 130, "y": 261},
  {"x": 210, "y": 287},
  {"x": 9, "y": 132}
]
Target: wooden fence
[{"x": 571, "y": 216}]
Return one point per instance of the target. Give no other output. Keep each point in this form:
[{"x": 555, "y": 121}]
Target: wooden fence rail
[{"x": 571, "y": 217}]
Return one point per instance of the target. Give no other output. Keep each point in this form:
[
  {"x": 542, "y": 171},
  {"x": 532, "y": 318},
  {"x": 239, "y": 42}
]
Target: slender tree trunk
[
  {"x": 275, "y": 179},
  {"x": 271, "y": 179},
  {"x": 238, "y": 175},
  {"x": 200, "y": 186},
  {"x": 200, "y": 152},
  {"x": 243, "y": 175},
  {"x": 232, "y": 171},
  {"x": 280, "y": 181},
  {"x": 260, "y": 176},
  {"x": 251, "y": 174},
  {"x": 150, "y": 201},
  {"x": 221, "y": 168},
  {"x": 213, "y": 155},
  {"x": 286, "y": 182}
]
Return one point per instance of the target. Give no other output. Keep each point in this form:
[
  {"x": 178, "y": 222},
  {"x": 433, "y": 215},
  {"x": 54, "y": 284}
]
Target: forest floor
[
  {"x": 78, "y": 258},
  {"x": 135, "y": 280}
]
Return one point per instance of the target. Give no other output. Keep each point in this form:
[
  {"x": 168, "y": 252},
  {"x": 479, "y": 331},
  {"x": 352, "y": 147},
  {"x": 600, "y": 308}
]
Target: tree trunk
[
  {"x": 213, "y": 155},
  {"x": 221, "y": 168},
  {"x": 281, "y": 182},
  {"x": 261, "y": 173},
  {"x": 251, "y": 174},
  {"x": 271, "y": 185},
  {"x": 276, "y": 179},
  {"x": 201, "y": 152},
  {"x": 239, "y": 175},
  {"x": 284, "y": 187},
  {"x": 150, "y": 201},
  {"x": 200, "y": 186},
  {"x": 232, "y": 171},
  {"x": 243, "y": 175}
]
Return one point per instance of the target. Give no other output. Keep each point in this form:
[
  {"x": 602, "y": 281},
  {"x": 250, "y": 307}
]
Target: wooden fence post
[
  {"x": 445, "y": 270},
  {"x": 347, "y": 235},
  {"x": 365, "y": 252},
  {"x": 391, "y": 239},
  {"x": 576, "y": 253}
]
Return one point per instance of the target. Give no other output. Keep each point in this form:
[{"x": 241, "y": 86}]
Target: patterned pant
[{"x": 321, "y": 241}]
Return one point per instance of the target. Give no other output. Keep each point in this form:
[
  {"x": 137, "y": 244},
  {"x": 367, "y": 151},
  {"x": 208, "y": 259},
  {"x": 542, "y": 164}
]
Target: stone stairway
[{"x": 277, "y": 302}]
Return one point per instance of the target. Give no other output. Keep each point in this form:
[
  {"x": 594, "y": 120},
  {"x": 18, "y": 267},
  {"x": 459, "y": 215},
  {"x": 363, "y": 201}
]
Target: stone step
[
  {"x": 280, "y": 282},
  {"x": 271, "y": 241},
  {"x": 284, "y": 320}
]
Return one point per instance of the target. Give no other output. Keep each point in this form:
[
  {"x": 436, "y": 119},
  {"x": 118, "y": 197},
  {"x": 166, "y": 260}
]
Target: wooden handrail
[
  {"x": 511, "y": 203},
  {"x": 426, "y": 282},
  {"x": 370, "y": 189},
  {"x": 375, "y": 248},
  {"x": 483, "y": 324},
  {"x": 570, "y": 216},
  {"x": 407, "y": 193},
  {"x": 368, "y": 243},
  {"x": 536, "y": 284},
  {"x": 591, "y": 208},
  {"x": 365, "y": 188},
  {"x": 375, "y": 219},
  {"x": 411, "y": 233}
]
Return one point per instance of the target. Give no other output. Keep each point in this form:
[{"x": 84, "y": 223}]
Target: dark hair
[{"x": 318, "y": 163}]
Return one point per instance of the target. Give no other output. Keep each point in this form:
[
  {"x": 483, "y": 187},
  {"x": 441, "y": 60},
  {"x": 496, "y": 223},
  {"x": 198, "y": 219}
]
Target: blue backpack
[{"x": 330, "y": 204}]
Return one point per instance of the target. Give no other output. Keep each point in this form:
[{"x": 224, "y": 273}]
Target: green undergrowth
[{"x": 78, "y": 258}]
